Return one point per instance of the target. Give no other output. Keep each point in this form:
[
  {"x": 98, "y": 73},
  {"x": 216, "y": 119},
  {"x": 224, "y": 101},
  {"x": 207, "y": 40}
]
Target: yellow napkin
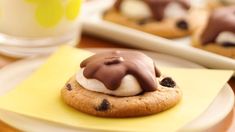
[{"x": 39, "y": 96}]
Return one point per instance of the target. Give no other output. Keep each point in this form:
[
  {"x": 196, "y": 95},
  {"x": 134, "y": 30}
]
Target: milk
[{"x": 39, "y": 18}]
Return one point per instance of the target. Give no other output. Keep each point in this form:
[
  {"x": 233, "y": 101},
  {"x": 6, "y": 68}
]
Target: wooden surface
[{"x": 227, "y": 125}]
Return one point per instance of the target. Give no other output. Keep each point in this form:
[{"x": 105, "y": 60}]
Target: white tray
[{"x": 94, "y": 24}]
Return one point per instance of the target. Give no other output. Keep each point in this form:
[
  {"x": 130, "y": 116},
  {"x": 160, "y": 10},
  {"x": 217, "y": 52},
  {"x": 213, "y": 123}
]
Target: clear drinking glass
[{"x": 32, "y": 27}]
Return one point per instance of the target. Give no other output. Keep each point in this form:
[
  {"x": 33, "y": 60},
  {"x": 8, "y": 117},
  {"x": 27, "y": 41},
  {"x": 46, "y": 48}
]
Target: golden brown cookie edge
[
  {"x": 166, "y": 28},
  {"x": 212, "y": 47},
  {"x": 146, "y": 104}
]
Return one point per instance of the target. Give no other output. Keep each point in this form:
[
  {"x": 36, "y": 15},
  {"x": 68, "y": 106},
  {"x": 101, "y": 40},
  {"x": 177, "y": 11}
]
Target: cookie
[
  {"x": 217, "y": 35},
  {"x": 166, "y": 28},
  {"x": 99, "y": 104},
  {"x": 212, "y": 47},
  {"x": 170, "y": 27},
  {"x": 120, "y": 84}
]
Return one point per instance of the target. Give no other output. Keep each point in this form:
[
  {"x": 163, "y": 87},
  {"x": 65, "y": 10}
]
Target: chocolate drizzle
[
  {"x": 117, "y": 4},
  {"x": 158, "y": 6},
  {"x": 220, "y": 20},
  {"x": 111, "y": 67}
]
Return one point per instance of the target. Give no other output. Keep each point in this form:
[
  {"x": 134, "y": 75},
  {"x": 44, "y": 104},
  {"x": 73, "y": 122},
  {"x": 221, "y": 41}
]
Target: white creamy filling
[
  {"x": 226, "y": 37},
  {"x": 129, "y": 85},
  {"x": 138, "y": 9},
  {"x": 174, "y": 10},
  {"x": 135, "y": 9}
]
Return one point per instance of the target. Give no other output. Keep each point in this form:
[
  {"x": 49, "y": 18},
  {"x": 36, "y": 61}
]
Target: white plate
[
  {"x": 13, "y": 74},
  {"x": 94, "y": 24}
]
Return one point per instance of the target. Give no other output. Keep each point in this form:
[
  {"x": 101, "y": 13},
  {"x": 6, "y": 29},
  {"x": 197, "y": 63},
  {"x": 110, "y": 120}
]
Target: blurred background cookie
[
  {"x": 218, "y": 35},
  {"x": 169, "y": 18}
]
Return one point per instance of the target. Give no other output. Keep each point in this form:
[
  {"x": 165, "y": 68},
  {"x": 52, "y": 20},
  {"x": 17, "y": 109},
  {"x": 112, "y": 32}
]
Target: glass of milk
[{"x": 33, "y": 27}]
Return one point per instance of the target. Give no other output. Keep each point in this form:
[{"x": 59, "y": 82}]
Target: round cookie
[
  {"x": 104, "y": 105},
  {"x": 167, "y": 27},
  {"x": 206, "y": 38},
  {"x": 212, "y": 47}
]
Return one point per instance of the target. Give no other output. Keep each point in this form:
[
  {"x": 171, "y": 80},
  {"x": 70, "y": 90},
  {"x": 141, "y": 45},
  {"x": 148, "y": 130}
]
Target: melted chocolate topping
[
  {"x": 111, "y": 67},
  {"x": 220, "y": 20},
  {"x": 117, "y": 4},
  {"x": 158, "y": 6}
]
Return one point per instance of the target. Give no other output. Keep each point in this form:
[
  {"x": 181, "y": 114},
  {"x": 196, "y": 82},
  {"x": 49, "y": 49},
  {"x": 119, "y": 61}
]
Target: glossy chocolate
[
  {"x": 158, "y": 6},
  {"x": 220, "y": 20},
  {"x": 111, "y": 67},
  {"x": 168, "y": 82},
  {"x": 117, "y": 4}
]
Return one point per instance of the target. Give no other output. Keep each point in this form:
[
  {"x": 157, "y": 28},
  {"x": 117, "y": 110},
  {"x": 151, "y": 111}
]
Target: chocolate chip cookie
[
  {"x": 166, "y": 96},
  {"x": 158, "y": 24},
  {"x": 100, "y": 88}
]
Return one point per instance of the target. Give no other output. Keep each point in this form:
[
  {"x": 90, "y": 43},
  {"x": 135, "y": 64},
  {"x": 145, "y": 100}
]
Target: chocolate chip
[
  {"x": 69, "y": 87},
  {"x": 228, "y": 44},
  {"x": 168, "y": 82},
  {"x": 104, "y": 105},
  {"x": 142, "y": 21},
  {"x": 113, "y": 60},
  {"x": 182, "y": 24}
]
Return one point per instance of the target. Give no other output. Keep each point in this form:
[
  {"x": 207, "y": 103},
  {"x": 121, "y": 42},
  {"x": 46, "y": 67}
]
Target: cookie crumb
[
  {"x": 105, "y": 105},
  {"x": 69, "y": 87},
  {"x": 182, "y": 24},
  {"x": 168, "y": 82}
]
